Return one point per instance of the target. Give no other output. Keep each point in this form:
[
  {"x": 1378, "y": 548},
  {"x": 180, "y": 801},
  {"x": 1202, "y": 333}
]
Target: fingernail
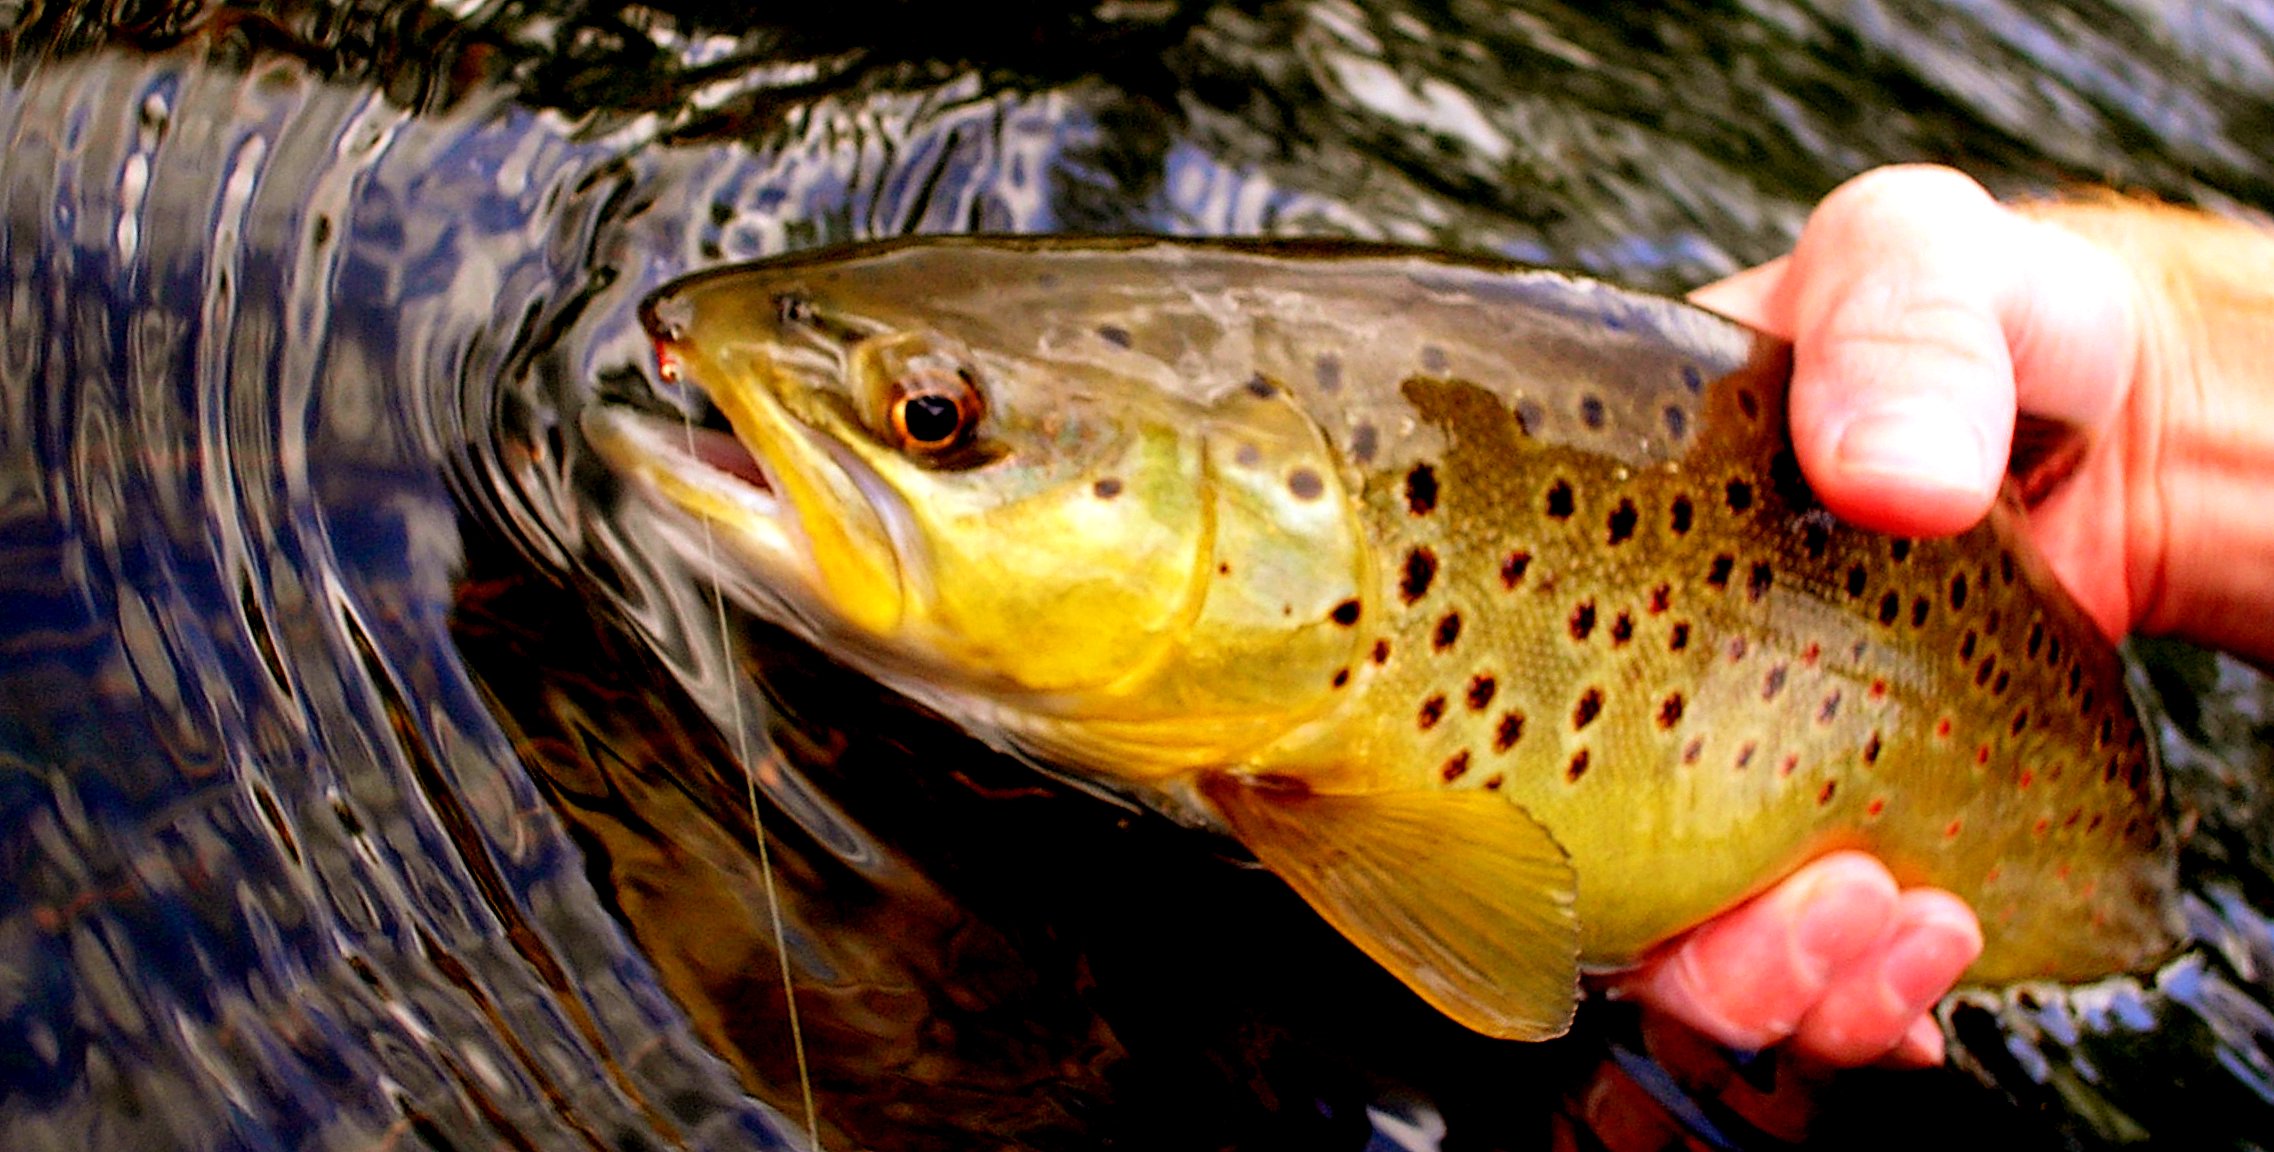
[
  {"x": 1922, "y": 961},
  {"x": 1833, "y": 926},
  {"x": 1917, "y": 447}
]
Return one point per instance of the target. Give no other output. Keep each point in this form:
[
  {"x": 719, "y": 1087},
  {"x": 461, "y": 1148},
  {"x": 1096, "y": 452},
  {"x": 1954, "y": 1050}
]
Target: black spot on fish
[
  {"x": 1364, "y": 442},
  {"x": 1661, "y": 598},
  {"x": 1745, "y": 754},
  {"x": 1816, "y": 539},
  {"x": 1773, "y": 683},
  {"x": 2005, "y": 567},
  {"x": 1421, "y": 490},
  {"x": 1890, "y": 607},
  {"x": 1622, "y": 522},
  {"x": 1958, "y": 592},
  {"x": 1528, "y": 416},
  {"x": 1919, "y": 608},
  {"x": 1692, "y": 750},
  {"x": 2020, "y": 723},
  {"x": 1899, "y": 549},
  {"x": 2076, "y": 677},
  {"x": 1748, "y": 403},
  {"x": 1434, "y": 360},
  {"x": 1670, "y": 710},
  {"x": 1583, "y": 620},
  {"x": 1824, "y": 794},
  {"x": 1718, "y": 575},
  {"x": 1692, "y": 379},
  {"x": 1858, "y": 579},
  {"x": 1327, "y": 370},
  {"x": 1561, "y": 501},
  {"x": 1679, "y": 515},
  {"x": 1107, "y": 488},
  {"x": 1248, "y": 456},
  {"x": 1341, "y": 677},
  {"x": 1305, "y": 484},
  {"x": 1115, "y": 335},
  {"x": 1259, "y": 387},
  {"x": 1432, "y": 710},
  {"x": 2053, "y": 650},
  {"x": 1739, "y": 494},
  {"x": 1420, "y": 569},
  {"x": 1871, "y": 748},
  {"x": 1998, "y": 684},
  {"x": 1346, "y": 613},
  {"x": 1456, "y": 767},
  {"x": 1757, "y": 584},
  {"x": 1982, "y": 674},
  {"x": 1512, "y": 568},
  {"x": 1622, "y": 629},
  {"x": 1448, "y": 630},
  {"x": 1577, "y": 768},
  {"x": 1481, "y": 690},
  {"x": 1737, "y": 648},
  {"x": 1589, "y": 707},
  {"x": 1677, "y": 421},
  {"x": 2036, "y": 639},
  {"x": 1679, "y": 637},
  {"x": 1966, "y": 644},
  {"x": 1381, "y": 652},
  {"x": 1508, "y": 731},
  {"x": 1591, "y": 411},
  {"x": 1831, "y": 708}
]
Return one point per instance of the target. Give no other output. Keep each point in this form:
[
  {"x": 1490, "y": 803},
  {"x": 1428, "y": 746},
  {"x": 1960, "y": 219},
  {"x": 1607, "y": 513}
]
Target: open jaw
[{"x": 819, "y": 529}]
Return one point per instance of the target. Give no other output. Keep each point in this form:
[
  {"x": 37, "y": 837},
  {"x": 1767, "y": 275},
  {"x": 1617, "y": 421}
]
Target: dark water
[{"x": 368, "y": 778}]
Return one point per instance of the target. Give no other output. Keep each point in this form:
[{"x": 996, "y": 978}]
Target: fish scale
[{"x": 1487, "y": 607}]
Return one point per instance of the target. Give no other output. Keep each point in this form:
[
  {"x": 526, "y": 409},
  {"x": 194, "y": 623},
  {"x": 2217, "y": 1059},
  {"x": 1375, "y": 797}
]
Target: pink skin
[{"x": 1923, "y": 314}]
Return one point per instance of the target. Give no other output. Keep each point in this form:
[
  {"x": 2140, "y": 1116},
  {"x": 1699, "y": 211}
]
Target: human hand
[
  {"x": 1834, "y": 961},
  {"x": 1924, "y": 315}
]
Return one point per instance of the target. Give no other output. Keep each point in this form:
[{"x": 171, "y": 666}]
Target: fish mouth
[{"x": 817, "y": 527}]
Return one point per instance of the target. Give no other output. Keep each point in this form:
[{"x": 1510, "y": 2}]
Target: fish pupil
[{"x": 930, "y": 419}]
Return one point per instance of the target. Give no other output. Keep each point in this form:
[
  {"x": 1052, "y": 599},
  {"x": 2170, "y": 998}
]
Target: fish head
[{"x": 1061, "y": 539}]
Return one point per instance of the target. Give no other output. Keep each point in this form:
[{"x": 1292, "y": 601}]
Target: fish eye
[{"x": 936, "y": 412}]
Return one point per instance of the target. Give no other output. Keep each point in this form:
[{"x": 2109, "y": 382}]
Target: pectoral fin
[{"x": 1461, "y": 895}]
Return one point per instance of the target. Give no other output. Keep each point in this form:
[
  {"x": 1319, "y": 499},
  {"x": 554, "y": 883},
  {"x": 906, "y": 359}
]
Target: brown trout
[{"x": 1485, "y": 606}]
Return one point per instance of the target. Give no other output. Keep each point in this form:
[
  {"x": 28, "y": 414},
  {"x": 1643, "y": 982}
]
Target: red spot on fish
[
  {"x": 1790, "y": 762},
  {"x": 1824, "y": 796},
  {"x": 1878, "y": 690},
  {"x": 2026, "y": 779},
  {"x": 1878, "y": 805},
  {"x": 1942, "y": 728},
  {"x": 1811, "y": 654},
  {"x": 1661, "y": 598},
  {"x": 1982, "y": 754},
  {"x": 2040, "y": 828},
  {"x": 1950, "y": 832}
]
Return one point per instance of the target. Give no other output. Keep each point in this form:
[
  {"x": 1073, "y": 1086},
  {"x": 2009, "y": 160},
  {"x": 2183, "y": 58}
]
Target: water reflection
[{"x": 365, "y": 775}]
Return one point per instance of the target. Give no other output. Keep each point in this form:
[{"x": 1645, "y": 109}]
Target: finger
[
  {"x": 1922, "y": 312},
  {"x": 1875, "y": 1006},
  {"x": 1748, "y": 296},
  {"x": 1749, "y": 977}
]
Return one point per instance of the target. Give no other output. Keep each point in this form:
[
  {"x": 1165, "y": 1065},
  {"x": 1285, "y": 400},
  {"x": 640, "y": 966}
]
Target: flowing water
[{"x": 370, "y": 777}]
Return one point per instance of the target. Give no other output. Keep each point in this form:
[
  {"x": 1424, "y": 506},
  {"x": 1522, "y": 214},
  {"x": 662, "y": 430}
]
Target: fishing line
[{"x": 757, "y": 818}]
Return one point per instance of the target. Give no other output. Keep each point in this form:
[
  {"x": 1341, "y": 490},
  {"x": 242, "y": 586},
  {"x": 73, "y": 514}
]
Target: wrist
[{"x": 2197, "y": 439}]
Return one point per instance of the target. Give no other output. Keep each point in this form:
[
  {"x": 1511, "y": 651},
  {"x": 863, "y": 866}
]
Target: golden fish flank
[{"x": 1485, "y": 606}]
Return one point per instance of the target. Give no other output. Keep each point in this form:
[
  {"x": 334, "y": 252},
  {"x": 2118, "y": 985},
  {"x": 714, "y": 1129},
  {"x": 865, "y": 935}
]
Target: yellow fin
[{"x": 1461, "y": 895}]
